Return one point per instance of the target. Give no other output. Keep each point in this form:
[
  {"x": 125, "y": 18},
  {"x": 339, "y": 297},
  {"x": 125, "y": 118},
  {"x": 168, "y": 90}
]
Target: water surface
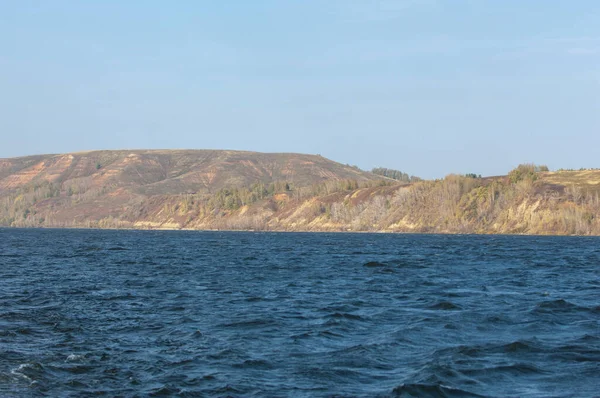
[{"x": 137, "y": 313}]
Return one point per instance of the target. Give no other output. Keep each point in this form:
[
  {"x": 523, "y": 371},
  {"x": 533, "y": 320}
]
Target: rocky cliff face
[{"x": 284, "y": 192}]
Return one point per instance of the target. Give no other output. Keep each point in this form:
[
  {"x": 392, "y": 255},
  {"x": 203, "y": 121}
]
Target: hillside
[
  {"x": 284, "y": 192},
  {"x": 81, "y": 189},
  {"x": 172, "y": 171}
]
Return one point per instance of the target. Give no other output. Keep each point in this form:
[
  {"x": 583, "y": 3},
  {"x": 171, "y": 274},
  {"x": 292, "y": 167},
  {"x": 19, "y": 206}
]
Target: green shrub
[{"x": 523, "y": 172}]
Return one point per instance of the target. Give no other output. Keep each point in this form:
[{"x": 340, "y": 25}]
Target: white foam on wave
[
  {"x": 18, "y": 370},
  {"x": 73, "y": 357}
]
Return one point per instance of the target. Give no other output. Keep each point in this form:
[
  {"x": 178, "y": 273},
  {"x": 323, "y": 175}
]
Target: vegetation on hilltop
[
  {"x": 394, "y": 174},
  {"x": 224, "y": 190}
]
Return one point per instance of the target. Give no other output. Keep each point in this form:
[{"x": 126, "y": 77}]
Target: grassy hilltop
[{"x": 209, "y": 189}]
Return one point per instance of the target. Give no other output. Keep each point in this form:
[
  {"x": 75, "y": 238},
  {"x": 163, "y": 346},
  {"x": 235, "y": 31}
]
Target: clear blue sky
[{"x": 429, "y": 87}]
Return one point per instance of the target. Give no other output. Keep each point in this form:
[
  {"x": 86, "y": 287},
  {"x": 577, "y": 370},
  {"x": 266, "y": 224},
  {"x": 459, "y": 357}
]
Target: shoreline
[{"x": 280, "y": 231}]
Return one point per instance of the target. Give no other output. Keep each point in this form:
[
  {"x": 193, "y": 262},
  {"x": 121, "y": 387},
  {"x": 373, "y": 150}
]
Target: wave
[
  {"x": 31, "y": 371},
  {"x": 431, "y": 391},
  {"x": 398, "y": 263},
  {"x": 74, "y": 358},
  {"x": 345, "y": 315},
  {"x": 164, "y": 391},
  {"x": 228, "y": 354},
  {"x": 516, "y": 369},
  {"x": 374, "y": 264},
  {"x": 582, "y": 349},
  {"x": 561, "y": 306},
  {"x": 330, "y": 334},
  {"x": 254, "y": 364},
  {"x": 226, "y": 391},
  {"x": 520, "y": 346},
  {"x": 254, "y": 323},
  {"x": 78, "y": 369},
  {"x": 484, "y": 351},
  {"x": 446, "y": 306}
]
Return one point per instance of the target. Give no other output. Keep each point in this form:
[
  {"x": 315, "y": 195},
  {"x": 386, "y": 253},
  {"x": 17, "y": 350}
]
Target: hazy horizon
[{"x": 428, "y": 87}]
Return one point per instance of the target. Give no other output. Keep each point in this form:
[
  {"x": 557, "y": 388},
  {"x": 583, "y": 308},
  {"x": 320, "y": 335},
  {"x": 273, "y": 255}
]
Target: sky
[{"x": 428, "y": 87}]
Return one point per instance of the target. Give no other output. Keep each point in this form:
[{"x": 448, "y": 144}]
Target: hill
[
  {"x": 85, "y": 188},
  {"x": 285, "y": 192},
  {"x": 172, "y": 171}
]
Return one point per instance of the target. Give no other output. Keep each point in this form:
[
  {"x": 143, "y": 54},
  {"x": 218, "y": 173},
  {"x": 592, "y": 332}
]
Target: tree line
[{"x": 394, "y": 174}]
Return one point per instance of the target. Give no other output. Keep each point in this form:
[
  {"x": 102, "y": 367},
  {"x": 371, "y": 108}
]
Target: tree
[{"x": 394, "y": 174}]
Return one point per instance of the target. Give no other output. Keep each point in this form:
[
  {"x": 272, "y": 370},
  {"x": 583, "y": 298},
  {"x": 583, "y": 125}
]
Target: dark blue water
[{"x": 133, "y": 313}]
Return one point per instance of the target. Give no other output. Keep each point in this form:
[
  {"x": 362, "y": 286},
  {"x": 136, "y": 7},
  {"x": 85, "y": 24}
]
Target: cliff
[{"x": 284, "y": 192}]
